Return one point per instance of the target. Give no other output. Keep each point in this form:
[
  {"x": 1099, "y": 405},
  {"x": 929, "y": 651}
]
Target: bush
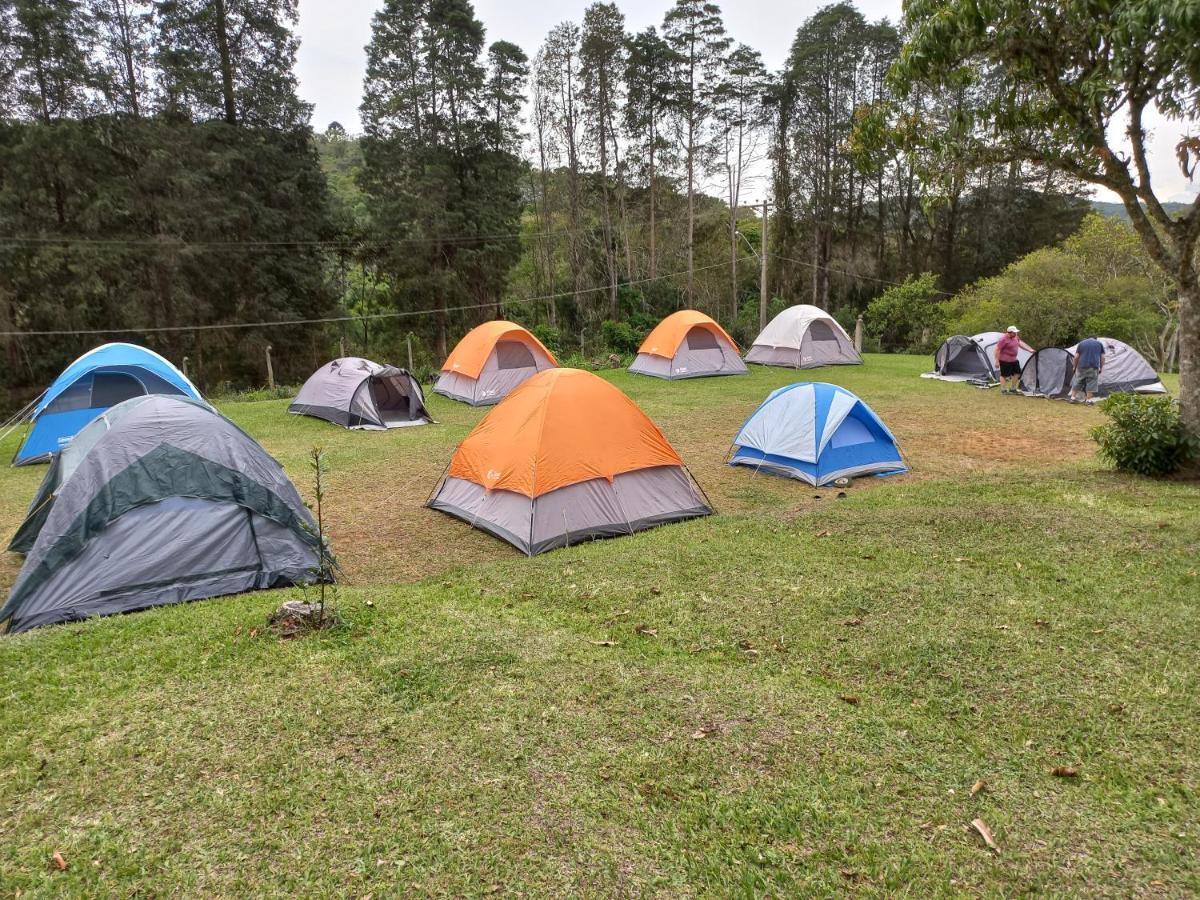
[
  {"x": 906, "y": 317},
  {"x": 550, "y": 337},
  {"x": 620, "y": 336},
  {"x": 1144, "y": 435}
]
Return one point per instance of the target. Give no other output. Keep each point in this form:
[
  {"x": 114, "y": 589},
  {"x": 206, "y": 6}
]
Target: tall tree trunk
[
  {"x": 226, "y": 64},
  {"x": 1188, "y": 346}
]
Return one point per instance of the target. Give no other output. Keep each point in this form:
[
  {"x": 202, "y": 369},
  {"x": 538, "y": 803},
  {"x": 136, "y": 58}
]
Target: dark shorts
[{"x": 1010, "y": 369}]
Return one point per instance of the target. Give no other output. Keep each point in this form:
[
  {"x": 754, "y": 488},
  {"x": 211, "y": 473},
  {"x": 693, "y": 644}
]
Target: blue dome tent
[
  {"x": 816, "y": 432},
  {"x": 101, "y": 378}
]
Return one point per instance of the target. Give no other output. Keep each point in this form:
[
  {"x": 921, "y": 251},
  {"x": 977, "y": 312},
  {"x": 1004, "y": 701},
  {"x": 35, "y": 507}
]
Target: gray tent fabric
[
  {"x": 358, "y": 393},
  {"x": 172, "y": 502},
  {"x": 597, "y": 508},
  {"x": 1049, "y": 372},
  {"x": 700, "y": 354},
  {"x": 803, "y": 337},
  {"x": 965, "y": 357}
]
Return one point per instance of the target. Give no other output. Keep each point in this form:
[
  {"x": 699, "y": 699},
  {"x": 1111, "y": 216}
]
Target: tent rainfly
[
  {"x": 688, "y": 344},
  {"x": 969, "y": 357},
  {"x": 1049, "y": 372},
  {"x": 565, "y": 458},
  {"x": 491, "y": 360},
  {"x": 173, "y": 502},
  {"x": 817, "y": 433},
  {"x": 803, "y": 337},
  {"x": 358, "y": 393},
  {"x": 97, "y": 380}
]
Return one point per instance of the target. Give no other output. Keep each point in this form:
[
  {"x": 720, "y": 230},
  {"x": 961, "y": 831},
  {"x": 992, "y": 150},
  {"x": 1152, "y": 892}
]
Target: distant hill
[{"x": 1117, "y": 210}]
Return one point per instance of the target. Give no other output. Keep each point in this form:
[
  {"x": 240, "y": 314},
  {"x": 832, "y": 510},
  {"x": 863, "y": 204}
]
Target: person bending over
[{"x": 1089, "y": 363}]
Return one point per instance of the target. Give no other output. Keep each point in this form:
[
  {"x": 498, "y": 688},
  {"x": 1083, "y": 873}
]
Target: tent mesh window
[
  {"x": 111, "y": 388},
  {"x": 701, "y": 339},
  {"x": 513, "y": 355},
  {"x": 820, "y": 331}
]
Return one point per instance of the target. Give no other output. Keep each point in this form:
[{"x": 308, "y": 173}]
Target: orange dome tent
[
  {"x": 566, "y": 457},
  {"x": 491, "y": 360},
  {"x": 688, "y": 344}
]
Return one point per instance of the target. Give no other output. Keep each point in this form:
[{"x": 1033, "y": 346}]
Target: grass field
[{"x": 1007, "y": 608}]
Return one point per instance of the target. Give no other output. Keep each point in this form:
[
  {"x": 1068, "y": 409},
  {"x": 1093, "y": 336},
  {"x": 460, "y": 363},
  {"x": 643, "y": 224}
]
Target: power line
[
  {"x": 812, "y": 265},
  {"x": 16, "y": 241},
  {"x": 398, "y": 314}
]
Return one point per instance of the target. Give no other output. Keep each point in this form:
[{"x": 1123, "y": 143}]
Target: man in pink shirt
[{"x": 1007, "y": 351}]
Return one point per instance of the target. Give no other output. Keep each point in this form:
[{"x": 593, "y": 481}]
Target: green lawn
[{"x": 1007, "y": 608}]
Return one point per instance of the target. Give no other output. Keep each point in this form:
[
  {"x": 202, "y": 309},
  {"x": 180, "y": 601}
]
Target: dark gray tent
[
  {"x": 1049, "y": 372},
  {"x": 172, "y": 502},
  {"x": 972, "y": 357},
  {"x": 358, "y": 393}
]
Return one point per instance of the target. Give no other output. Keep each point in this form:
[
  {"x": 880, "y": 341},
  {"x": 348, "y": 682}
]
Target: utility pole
[{"x": 762, "y": 281}]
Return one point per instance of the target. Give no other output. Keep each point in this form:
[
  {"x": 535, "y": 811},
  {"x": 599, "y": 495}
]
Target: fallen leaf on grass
[
  {"x": 59, "y": 862},
  {"x": 961, "y": 559},
  {"x": 850, "y": 698},
  {"x": 1019, "y": 567},
  {"x": 823, "y": 534},
  {"x": 253, "y": 633},
  {"x": 1064, "y": 772},
  {"x": 986, "y": 833},
  {"x": 706, "y": 731},
  {"x": 604, "y": 643},
  {"x": 978, "y": 786},
  {"x": 853, "y": 622},
  {"x": 646, "y": 630}
]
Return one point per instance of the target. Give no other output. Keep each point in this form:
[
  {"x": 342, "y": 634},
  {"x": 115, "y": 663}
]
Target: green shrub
[
  {"x": 550, "y": 337},
  {"x": 906, "y": 317},
  {"x": 1144, "y": 435},
  {"x": 619, "y": 336}
]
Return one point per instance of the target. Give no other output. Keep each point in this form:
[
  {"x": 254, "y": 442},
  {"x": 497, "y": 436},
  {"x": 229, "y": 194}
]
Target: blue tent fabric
[
  {"x": 817, "y": 433},
  {"x": 96, "y": 381}
]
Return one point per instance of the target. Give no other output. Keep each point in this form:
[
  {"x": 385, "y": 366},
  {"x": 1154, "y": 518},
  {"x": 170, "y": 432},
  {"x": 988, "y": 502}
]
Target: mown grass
[{"x": 1007, "y": 608}]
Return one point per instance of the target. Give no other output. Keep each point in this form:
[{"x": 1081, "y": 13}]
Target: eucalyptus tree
[
  {"x": 602, "y": 63},
  {"x": 648, "y": 74},
  {"x": 695, "y": 34},
  {"x": 741, "y": 118},
  {"x": 124, "y": 30},
  {"x": 1077, "y": 80}
]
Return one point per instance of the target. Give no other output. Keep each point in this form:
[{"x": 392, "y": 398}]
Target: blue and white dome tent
[
  {"x": 817, "y": 433},
  {"x": 101, "y": 378}
]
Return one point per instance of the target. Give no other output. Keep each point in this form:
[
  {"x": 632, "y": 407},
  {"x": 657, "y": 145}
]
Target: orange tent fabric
[
  {"x": 664, "y": 339},
  {"x": 560, "y": 427},
  {"x": 470, "y": 354}
]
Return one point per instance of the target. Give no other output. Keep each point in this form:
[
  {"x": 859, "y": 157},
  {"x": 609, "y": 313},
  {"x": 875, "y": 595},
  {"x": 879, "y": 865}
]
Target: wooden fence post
[
  {"x": 270, "y": 370},
  {"x": 408, "y": 341},
  {"x": 858, "y": 332}
]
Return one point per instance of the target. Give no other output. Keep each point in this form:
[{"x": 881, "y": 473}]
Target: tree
[
  {"x": 648, "y": 78},
  {"x": 1072, "y": 73},
  {"x": 695, "y": 34}
]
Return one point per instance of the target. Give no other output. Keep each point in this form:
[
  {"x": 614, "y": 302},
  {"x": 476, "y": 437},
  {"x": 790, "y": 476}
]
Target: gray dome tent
[
  {"x": 358, "y": 393},
  {"x": 966, "y": 357},
  {"x": 1049, "y": 372},
  {"x": 172, "y": 502}
]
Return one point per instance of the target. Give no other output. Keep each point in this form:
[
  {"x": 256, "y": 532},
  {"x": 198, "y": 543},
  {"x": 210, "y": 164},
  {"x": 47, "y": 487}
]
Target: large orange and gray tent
[
  {"x": 688, "y": 344},
  {"x": 566, "y": 457},
  {"x": 491, "y": 360}
]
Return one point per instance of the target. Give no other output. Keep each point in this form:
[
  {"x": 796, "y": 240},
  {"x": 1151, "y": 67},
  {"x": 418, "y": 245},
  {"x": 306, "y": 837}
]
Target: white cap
[{"x": 1014, "y": 329}]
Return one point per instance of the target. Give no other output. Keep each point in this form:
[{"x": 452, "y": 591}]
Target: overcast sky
[{"x": 333, "y": 34}]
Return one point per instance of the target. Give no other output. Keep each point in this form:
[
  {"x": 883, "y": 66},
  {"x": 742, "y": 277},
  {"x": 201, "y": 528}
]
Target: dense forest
[{"x": 161, "y": 181}]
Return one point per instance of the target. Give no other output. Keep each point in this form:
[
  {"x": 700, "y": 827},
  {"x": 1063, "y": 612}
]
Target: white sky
[{"x": 333, "y": 34}]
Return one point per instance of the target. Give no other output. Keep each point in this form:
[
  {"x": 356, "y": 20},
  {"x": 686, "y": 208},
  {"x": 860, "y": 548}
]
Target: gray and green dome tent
[{"x": 171, "y": 502}]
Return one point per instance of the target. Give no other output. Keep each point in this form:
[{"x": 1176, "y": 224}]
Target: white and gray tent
[
  {"x": 172, "y": 502},
  {"x": 803, "y": 337},
  {"x": 965, "y": 357},
  {"x": 1049, "y": 372},
  {"x": 358, "y": 393}
]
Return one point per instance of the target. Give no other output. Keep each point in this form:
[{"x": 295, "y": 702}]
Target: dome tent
[
  {"x": 965, "y": 357},
  {"x": 688, "y": 344},
  {"x": 816, "y": 432},
  {"x": 566, "y": 457},
  {"x": 491, "y": 360},
  {"x": 1049, "y": 372},
  {"x": 97, "y": 380},
  {"x": 803, "y": 337},
  {"x": 172, "y": 503},
  {"x": 358, "y": 393}
]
